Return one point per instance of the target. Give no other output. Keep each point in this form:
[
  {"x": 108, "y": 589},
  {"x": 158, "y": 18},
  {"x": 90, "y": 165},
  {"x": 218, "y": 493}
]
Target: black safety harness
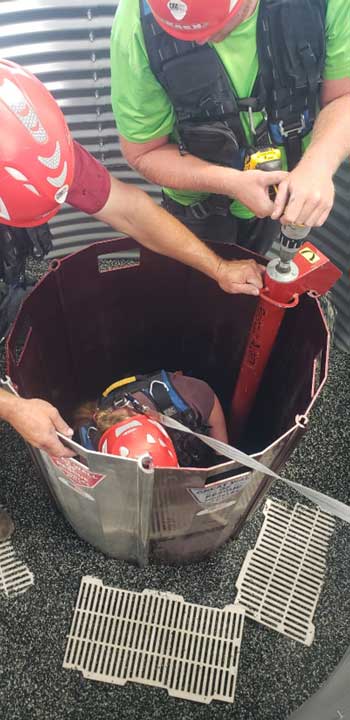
[
  {"x": 160, "y": 390},
  {"x": 291, "y": 51},
  {"x": 16, "y": 245}
]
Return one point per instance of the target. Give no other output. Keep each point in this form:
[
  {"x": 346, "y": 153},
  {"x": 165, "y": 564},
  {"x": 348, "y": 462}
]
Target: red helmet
[
  {"x": 36, "y": 150},
  {"x": 139, "y": 435},
  {"x": 193, "y": 19}
]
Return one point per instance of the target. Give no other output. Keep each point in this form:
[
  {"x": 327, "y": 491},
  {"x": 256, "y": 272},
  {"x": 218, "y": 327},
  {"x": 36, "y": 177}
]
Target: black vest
[{"x": 291, "y": 51}]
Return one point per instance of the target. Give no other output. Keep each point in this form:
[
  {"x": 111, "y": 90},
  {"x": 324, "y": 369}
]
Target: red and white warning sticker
[{"x": 78, "y": 474}]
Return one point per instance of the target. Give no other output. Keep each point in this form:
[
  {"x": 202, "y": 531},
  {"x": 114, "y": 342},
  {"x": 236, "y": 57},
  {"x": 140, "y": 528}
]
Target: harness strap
[{"x": 291, "y": 51}]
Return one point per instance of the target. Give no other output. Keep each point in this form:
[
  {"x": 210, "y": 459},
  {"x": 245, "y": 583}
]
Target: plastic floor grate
[
  {"x": 156, "y": 639},
  {"x": 15, "y": 577},
  {"x": 282, "y": 577}
]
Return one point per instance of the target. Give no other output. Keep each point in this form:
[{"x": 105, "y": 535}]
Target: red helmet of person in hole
[
  {"x": 193, "y": 19},
  {"x": 36, "y": 150},
  {"x": 139, "y": 435}
]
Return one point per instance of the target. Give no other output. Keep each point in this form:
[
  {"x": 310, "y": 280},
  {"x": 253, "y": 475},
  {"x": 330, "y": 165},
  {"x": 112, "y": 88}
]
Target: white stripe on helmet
[
  {"x": 60, "y": 179},
  {"x": 3, "y": 210},
  {"x": 54, "y": 160},
  {"x": 13, "y": 97}
]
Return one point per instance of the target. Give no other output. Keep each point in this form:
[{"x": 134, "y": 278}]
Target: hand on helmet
[
  {"x": 240, "y": 276},
  {"x": 38, "y": 422}
]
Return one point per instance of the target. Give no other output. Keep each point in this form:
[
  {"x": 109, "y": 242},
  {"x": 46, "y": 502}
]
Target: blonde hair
[{"x": 88, "y": 413}]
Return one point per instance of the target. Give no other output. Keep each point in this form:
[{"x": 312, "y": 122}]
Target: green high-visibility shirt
[{"x": 141, "y": 107}]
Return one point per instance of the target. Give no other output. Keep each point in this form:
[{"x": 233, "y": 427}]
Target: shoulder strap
[
  {"x": 157, "y": 386},
  {"x": 291, "y": 50},
  {"x": 167, "y": 399}
]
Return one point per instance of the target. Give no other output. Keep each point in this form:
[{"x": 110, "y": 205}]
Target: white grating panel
[
  {"x": 156, "y": 639},
  {"x": 281, "y": 579},
  {"x": 15, "y": 577}
]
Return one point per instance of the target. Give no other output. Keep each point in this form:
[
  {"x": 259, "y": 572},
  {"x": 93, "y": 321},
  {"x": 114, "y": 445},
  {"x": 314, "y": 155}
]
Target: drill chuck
[{"x": 291, "y": 239}]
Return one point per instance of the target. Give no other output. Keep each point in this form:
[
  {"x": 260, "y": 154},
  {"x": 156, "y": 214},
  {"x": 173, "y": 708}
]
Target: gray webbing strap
[{"x": 326, "y": 503}]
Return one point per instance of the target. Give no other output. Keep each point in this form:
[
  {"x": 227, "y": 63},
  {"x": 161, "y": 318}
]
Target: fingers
[
  {"x": 60, "y": 424},
  {"x": 304, "y": 199},
  {"x": 275, "y": 177},
  {"x": 244, "y": 289},
  {"x": 312, "y": 212},
  {"x": 244, "y": 276},
  {"x": 280, "y": 200},
  {"x": 253, "y": 281},
  {"x": 53, "y": 446},
  {"x": 267, "y": 181}
]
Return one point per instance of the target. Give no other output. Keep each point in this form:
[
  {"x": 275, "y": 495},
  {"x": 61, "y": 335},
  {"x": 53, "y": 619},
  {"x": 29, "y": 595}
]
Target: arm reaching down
[
  {"x": 133, "y": 212},
  {"x": 37, "y": 421}
]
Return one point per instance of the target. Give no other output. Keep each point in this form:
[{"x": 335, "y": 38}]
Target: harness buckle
[
  {"x": 294, "y": 129},
  {"x": 198, "y": 211}
]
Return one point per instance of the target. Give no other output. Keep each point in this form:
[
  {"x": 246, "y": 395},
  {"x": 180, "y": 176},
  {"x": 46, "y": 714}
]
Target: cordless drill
[{"x": 291, "y": 236}]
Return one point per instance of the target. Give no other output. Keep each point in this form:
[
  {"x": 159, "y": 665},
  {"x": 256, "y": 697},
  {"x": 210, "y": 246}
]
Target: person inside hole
[{"x": 116, "y": 423}]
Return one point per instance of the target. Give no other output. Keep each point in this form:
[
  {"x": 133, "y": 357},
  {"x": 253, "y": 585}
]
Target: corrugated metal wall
[
  {"x": 66, "y": 44},
  {"x": 334, "y": 240}
]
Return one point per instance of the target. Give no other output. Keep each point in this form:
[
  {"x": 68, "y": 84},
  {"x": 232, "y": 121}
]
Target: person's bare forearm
[
  {"x": 161, "y": 232},
  {"x": 161, "y": 163},
  {"x": 166, "y": 166},
  {"x": 131, "y": 211},
  {"x": 7, "y": 405},
  {"x": 330, "y": 144}
]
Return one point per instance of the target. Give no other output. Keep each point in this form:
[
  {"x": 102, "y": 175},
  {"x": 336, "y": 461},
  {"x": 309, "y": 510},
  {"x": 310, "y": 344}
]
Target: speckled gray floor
[{"x": 276, "y": 674}]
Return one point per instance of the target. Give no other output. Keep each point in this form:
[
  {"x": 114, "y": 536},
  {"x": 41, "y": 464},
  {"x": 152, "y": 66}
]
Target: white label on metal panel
[
  {"x": 156, "y": 639},
  {"x": 282, "y": 577},
  {"x": 219, "y": 493}
]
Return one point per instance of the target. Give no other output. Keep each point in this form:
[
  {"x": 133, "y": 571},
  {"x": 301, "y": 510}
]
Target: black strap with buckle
[{"x": 201, "y": 210}]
